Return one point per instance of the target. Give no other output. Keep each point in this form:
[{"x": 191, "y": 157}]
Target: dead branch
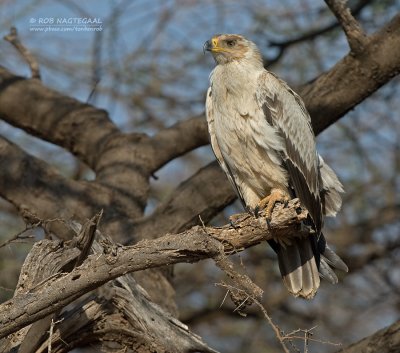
[
  {"x": 355, "y": 35},
  {"x": 277, "y": 330},
  {"x": 192, "y": 245},
  {"x": 120, "y": 311},
  {"x": 13, "y": 38}
]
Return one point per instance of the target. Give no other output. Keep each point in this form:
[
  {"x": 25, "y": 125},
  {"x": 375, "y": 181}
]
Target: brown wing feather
[{"x": 285, "y": 110}]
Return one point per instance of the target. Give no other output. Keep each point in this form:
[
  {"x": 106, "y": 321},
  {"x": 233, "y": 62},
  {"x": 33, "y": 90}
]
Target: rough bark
[
  {"x": 56, "y": 273},
  {"x": 115, "y": 260},
  {"x": 386, "y": 340},
  {"x": 37, "y": 190}
]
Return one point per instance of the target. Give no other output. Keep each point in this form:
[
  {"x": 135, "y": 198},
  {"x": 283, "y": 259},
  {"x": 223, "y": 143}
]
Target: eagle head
[{"x": 226, "y": 48}]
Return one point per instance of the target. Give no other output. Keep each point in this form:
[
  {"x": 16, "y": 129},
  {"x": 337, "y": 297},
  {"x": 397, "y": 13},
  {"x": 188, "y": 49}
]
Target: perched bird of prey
[{"x": 262, "y": 137}]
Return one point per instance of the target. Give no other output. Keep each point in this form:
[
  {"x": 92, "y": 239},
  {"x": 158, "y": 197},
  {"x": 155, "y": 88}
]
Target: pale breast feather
[
  {"x": 215, "y": 147},
  {"x": 285, "y": 110}
]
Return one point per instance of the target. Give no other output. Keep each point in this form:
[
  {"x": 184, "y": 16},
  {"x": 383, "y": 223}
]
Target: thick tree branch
[
  {"x": 26, "y": 177},
  {"x": 203, "y": 195},
  {"x": 386, "y": 340},
  {"x": 119, "y": 307},
  {"x": 79, "y": 128},
  {"x": 119, "y": 160},
  {"x": 179, "y": 139},
  {"x": 113, "y": 261}
]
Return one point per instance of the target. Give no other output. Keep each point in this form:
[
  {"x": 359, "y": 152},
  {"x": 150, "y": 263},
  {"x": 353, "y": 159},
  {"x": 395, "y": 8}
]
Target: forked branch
[
  {"x": 355, "y": 35},
  {"x": 13, "y": 38}
]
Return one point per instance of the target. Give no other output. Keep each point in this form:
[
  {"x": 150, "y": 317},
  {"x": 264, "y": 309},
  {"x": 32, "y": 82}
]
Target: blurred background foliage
[{"x": 147, "y": 69}]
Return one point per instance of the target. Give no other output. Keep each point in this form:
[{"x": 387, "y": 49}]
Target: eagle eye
[{"x": 230, "y": 42}]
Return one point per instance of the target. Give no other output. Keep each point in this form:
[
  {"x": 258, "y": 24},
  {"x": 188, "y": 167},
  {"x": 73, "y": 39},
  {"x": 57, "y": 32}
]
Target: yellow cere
[{"x": 215, "y": 41}]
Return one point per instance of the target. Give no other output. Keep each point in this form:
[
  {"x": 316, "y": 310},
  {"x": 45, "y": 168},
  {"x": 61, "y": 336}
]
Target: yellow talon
[{"x": 269, "y": 201}]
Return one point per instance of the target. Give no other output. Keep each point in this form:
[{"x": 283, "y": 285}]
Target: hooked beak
[{"x": 207, "y": 46}]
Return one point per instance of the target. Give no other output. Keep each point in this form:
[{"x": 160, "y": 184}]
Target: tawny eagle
[{"x": 262, "y": 137}]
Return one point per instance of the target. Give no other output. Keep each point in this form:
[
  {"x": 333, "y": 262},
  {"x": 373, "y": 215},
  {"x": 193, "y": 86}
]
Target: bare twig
[
  {"x": 6, "y": 289},
  {"x": 50, "y": 336},
  {"x": 355, "y": 35},
  {"x": 19, "y": 236},
  {"x": 51, "y": 333},
  {"x": 13, "y": 38},
  {"x": 307, "y": 337},
  {"x": 277, "y": 330},
  {"x": 240, "y": 280}
]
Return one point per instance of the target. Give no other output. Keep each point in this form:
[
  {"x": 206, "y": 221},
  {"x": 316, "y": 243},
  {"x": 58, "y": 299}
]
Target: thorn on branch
[
  {"x": 13, "y": 38},
  {"x": 356, "y": 37}
]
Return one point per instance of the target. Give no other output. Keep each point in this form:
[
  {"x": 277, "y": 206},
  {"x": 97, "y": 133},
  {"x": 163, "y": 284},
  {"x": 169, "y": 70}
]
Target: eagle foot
[{"x": 269, "y": 201}]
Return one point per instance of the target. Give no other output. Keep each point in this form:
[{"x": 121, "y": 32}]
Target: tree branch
[
  {"x": 386, "y": 340},
  {"x": 119, "y": 160},
  {"x": 78, "y": 127},
  {"x": 283, "y": 45},
  {"x": 204, "y": 195},
  {"x": 355, "y": 35},
  {"x": 12, "y": 37},
  {"x": 353, "y": 79},
  {"x": 113, "y": 261},
  {"x": 118, "y": 312},
  {"x": 26, "y": 177},
  {"x": 179, "y": 139}
]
